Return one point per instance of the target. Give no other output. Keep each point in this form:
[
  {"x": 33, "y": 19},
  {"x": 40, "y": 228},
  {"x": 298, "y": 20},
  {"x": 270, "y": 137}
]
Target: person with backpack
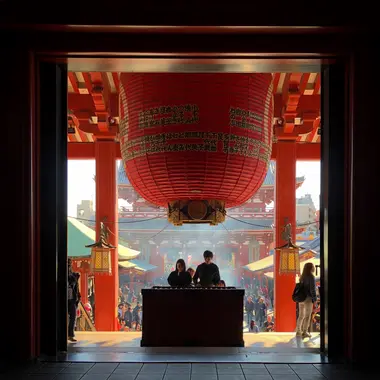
[{"x": 305, "y": 293}]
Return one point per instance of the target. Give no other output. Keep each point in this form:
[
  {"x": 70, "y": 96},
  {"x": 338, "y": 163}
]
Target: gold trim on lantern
[
  {"x": 196, "y": 212},
  {"x": 289, "y": 261},
  {"x": 101, "y": 260}
]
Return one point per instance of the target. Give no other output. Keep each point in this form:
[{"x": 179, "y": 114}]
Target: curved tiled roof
[
  {"x": 312, "y": 245},
  {"x": 122, "y": 178},
  {"x": 79, "y": 235},
  {"x": 271, "y": 178},
  {"x": 229, "y": 224}
]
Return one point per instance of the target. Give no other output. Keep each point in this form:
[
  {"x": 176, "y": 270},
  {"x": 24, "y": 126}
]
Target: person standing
[
  {"x": 179, "y": 277},
  {"x": 128, "y": 317},
  {"x": 249, "y": 308},
  {"x": 73, "y": 298},
  {"x": 192, "y": 272},
  {"x": 207, "y": 273},
  {"x": 260, "y": 312},
  {"x": 136, "y": 316},
  {"x": 306, "y": 307}
]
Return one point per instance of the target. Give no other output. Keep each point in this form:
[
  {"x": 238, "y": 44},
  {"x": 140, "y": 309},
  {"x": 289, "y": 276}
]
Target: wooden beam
[
  {"x": 73, "y": 81},
  {"x": 308, "y": 152},
  {"x": 86, "y": 151},
  {"x": 80, "y": 151},
  {"x": 304, "y": 152},
  {"x": 84, "y": 102}
]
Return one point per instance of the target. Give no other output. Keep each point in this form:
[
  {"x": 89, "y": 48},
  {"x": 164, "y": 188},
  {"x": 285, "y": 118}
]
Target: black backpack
[{"x": 299, "y": 293}]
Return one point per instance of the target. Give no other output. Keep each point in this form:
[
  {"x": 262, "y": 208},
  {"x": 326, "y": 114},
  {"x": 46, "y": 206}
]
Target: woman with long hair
[
  {"x": 180, "y": 277},
  {"x": 306, "y": 307}
]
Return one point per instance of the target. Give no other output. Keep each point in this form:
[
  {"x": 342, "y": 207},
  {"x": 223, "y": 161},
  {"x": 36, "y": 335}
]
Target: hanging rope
[
  {"x": 262, "y": 226},
  {"x": 120, "y": 222}
]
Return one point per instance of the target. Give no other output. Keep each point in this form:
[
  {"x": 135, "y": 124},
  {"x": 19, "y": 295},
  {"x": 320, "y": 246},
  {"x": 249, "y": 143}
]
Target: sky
[{"x": 81, "y": 185}]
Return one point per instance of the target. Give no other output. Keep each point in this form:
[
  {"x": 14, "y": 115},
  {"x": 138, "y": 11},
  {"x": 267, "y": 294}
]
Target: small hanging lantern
[
  {"x": 289, "y": 254},
  {"x": 101, "y": 253}
]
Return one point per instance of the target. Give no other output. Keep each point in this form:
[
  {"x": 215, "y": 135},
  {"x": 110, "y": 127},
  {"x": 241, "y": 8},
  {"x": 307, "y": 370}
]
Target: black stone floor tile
[
  {"x": 230, "y": 371},
  {"x": 187, "y": 371},
  {"x": 284, "y": 377},
  {"x": 304, "y": 369},
  {"x": 177, "y": 376},
  {"x": 256, "y": 371},
  {"x": 231, "y": 377},
  {"x": 68, "y": 376},
  {"x": 312, "y": 377},
  {"x": 128, "y": 376},
  {"x": 151, "y": 376},
  {"x": 251, "y": 366},
  {"x": 258, "y": 377},
  {"x": 103, "y": 368},
  {"x": 49, "y": 370},
  {"x": 96, "y": 376},
  {"x": 129, "y": 372},
  {"x": 56, "y": 364}
]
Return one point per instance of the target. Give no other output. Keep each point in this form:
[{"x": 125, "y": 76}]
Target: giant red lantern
[{"x": 196, "y": 143}]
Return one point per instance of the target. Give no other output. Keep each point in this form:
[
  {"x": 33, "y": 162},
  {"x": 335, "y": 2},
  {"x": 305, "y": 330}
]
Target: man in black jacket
[
  {"x": 249, "y": 308},
  {"x": 73, "y": 299},
  {"x": 207, "y": 273}
]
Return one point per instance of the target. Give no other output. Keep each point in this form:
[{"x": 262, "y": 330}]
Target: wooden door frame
[{"x": 258, "y": 44}]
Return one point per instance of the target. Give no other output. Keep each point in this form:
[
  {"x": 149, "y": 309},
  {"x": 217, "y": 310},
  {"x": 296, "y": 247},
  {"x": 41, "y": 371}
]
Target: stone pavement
[{"x": 185, "y": 371}]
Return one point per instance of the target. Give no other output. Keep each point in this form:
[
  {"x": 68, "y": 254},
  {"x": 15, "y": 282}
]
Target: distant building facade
[
  {"x": 85, "y": 210},
  {"x": 306, "y": 212}
]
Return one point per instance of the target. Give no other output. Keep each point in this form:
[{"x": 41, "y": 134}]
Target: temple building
[{"x": 234, "y": 245}]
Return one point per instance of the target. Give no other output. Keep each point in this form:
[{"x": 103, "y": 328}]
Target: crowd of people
[
  {"x": 130, "y": 308},
  {"x": 259, "y": 306},
  {"x": 130, "y": 318},
  {"x": 258, "y": 300},
  {"x": 258, "y": 319}
]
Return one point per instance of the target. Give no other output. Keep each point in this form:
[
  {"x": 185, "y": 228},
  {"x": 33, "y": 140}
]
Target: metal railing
[{"x": 85, "y": 321}]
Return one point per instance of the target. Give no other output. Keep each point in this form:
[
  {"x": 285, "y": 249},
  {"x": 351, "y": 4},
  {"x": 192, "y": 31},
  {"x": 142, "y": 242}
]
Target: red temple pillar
[
  {"x": 285, "y": 212},
  {"x": 83, "y": 268},
  {"x": 264, "y": 251},
  {"x": 106, "y": 287},
  {"x": 157, "y": 260},
  {"x": 243, "y": 259}
]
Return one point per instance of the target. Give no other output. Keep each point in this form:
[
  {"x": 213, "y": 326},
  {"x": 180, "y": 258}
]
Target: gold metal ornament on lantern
[
  {"x": 101, "y": 262},
  {"x": 289, "y": 254}
]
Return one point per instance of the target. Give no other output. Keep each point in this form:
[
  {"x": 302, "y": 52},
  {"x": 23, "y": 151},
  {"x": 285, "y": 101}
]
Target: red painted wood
[
  {"x": 106, "y": 287},
  {"x": 285, "y": 311}
]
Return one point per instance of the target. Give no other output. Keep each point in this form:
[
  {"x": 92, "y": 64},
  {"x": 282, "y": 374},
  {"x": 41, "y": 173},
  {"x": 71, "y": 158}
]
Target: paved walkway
[
  {"x": 117, "y": 341},
  {"x": 185, "y": 371}
]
